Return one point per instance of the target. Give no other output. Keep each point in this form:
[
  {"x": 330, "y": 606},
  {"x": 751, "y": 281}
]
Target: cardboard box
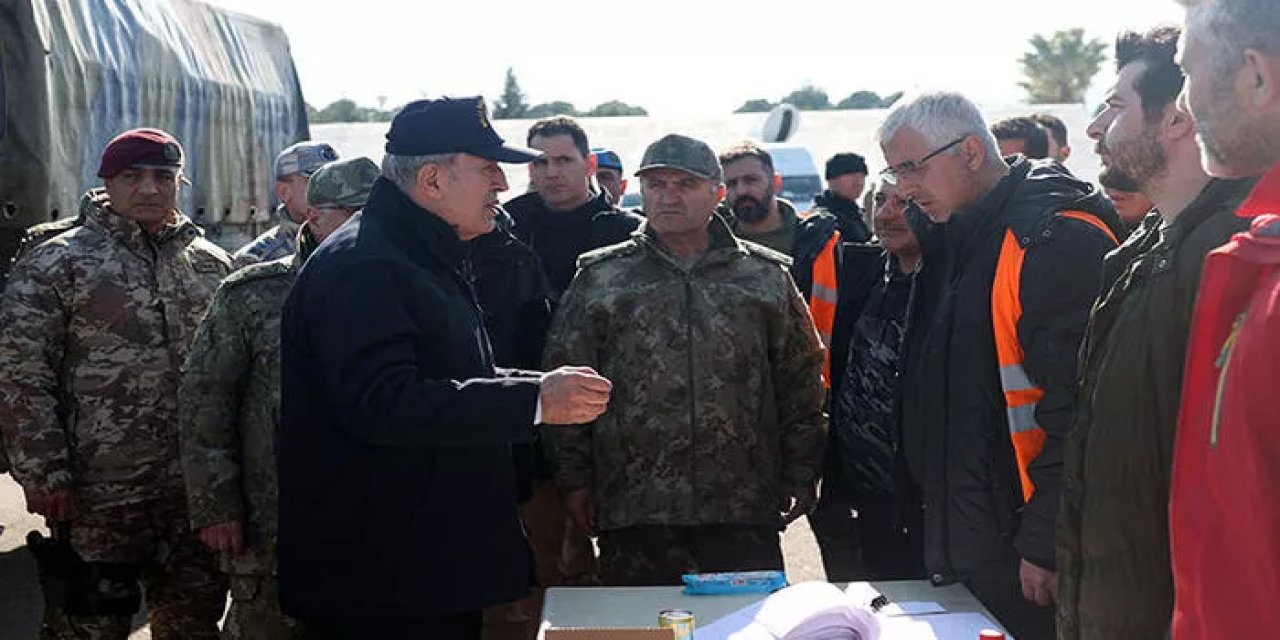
[{"x": 610, "y": 634}]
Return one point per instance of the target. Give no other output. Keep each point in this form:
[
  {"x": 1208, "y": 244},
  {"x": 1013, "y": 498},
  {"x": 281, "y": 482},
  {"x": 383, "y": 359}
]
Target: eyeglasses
[{"x": 915, "y": 168}]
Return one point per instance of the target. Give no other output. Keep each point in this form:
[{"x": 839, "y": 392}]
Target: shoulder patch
[
  {"x": 260, "y": 271},
  {"x": 610, "y": 252},
  {"x": 763, "y": 252}
]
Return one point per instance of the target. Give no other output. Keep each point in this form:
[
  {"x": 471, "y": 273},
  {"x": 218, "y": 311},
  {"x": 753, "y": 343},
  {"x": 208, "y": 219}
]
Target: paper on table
[
  {"x": 736, "y": 622},
  {"x": 806, "y": 610},
  {"x": 944, "y": 626}
]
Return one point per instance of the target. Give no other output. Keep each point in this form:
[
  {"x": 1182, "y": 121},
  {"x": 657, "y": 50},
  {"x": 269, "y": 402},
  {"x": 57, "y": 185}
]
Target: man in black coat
[
  {"x": 397, "y": 488},
  {"x": 865, "y": 472},
  {"x": 1012, "y": 264},
  {"x": 565, "y": 216}
]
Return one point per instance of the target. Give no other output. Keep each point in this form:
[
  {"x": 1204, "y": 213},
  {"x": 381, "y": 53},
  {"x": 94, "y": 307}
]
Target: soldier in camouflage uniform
[
  {"x": 714, "y": 437},
  {"x": 97, "y": 322},
  {"x": 293, "y": 168},
  {"x": 228, "y": 421},
  {"x": 32, "y": 238}
]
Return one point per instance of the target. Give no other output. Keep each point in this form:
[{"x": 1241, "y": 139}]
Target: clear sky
[{"x": 700, "y": 57}]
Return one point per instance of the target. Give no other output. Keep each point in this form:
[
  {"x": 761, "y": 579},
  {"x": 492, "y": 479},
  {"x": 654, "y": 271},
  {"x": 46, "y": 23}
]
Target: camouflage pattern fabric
[
  {"x": 97, "y": 323},
  {"x": 658, "y": 556},
  {"x": 343, "y": 183},
  {"x": 716, "y": 410},
  {"x": 277, "y": 242},
  {"x": 674, "y": 151},
  {"x": 255, "y": 611},
  {"x": 185, "y": 592},
  {"x": 231, "y": 407},
  {"x": 33, "y": 237}
]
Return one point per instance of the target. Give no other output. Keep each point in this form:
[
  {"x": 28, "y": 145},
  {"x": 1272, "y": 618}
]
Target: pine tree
[{"x": 512, "y": 104}]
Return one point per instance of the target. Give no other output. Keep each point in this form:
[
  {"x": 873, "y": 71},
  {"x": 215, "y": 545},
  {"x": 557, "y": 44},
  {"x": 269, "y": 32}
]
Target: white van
[{"x": 801, "y": 180}]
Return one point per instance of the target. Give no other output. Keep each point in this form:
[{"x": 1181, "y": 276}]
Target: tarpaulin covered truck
[{"x": 74, "y": 73}]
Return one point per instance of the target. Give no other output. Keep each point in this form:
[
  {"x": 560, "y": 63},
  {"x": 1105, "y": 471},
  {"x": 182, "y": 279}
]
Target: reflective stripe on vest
[
  {"x": 822, "y": 302},
  {"x": 1021, "y": 394}
]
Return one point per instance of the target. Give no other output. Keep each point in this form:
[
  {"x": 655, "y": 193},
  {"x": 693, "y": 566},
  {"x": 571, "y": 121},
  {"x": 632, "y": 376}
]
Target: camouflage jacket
[
  {"x": 716, "y": 409},
  {"x": 274, "y": 243},
  {"x": 34, "y": 235},
  {"x": 231, "y": 408},
  {"x": 97, "y": 322}
]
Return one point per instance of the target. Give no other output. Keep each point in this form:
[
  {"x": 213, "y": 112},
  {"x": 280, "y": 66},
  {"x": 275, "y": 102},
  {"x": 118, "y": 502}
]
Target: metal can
[{"x": 678, "y": 620}]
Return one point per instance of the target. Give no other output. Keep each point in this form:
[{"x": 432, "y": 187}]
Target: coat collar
[
  {"x": 95, "y": 209},
  {"x": 723, "y": 246},
  {"x": 413, "y": 227}
]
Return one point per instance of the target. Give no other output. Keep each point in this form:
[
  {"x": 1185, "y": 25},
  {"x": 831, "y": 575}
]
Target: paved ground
[{"x": 21, "y": 604}]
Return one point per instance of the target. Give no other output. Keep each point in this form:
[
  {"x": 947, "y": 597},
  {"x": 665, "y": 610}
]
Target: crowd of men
[{"x": 404, "y": 407}]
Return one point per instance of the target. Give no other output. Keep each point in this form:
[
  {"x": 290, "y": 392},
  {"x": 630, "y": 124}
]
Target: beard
[
  {"x": 1113, "y": 178},
  {"x": 1141, "y": 158},
  {"x": 750, "y": 210}
]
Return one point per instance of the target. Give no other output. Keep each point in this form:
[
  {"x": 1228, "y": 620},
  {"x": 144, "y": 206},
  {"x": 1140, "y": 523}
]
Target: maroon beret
[{"x": 146, "y": 147}]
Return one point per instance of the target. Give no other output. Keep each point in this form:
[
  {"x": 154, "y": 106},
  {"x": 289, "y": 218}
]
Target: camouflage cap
[
  {"x": 675, "y": 151},
  {"x": 303, "y": 158},
  {"x": 342, "y": 183}
]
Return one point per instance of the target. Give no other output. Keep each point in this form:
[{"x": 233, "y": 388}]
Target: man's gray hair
[
  {"x": 1232, "y": 26},
  {"x": 941, "y": 118},
  {"x": 403, "y": 170}
]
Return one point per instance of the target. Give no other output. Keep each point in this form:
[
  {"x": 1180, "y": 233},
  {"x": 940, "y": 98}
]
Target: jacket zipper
[{"x": 1224, "y": 367}]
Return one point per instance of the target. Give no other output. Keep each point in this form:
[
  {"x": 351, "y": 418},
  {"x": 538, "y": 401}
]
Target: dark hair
[
  {"x": 1056, "y": 127},
  {"x": 1035, "y": 138},
  {"x": 744, "y": 150},
  {"x": 560, "y": 126},
  {"x": 1162, "y": 80}
]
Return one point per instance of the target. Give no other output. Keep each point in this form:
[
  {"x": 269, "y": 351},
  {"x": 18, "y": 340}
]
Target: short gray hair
[
  {"x": 403, "y": 170},
  {"x": 941, "y": 118},
  {"x": 1232, "y": 26}
]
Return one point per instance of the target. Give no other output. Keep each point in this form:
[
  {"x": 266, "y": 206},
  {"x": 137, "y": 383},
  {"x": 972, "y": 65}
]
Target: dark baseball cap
[
  {"x": 689, "y": 155},
  {"x": 451, "y": 125},
  {"x": 140, "y": 148}
]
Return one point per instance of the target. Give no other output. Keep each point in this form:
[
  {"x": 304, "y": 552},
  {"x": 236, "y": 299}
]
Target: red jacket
[{"x": 1224, "y": 519}]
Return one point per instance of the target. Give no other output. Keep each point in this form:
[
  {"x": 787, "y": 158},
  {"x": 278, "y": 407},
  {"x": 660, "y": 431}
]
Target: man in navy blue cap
[
  {"x": 397, "y": 486},
  {"x": 609, "y": 173}
]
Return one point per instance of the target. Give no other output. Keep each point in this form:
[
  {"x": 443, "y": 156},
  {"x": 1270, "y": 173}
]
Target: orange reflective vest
[
  {"x": 1021, "y": 394},
  {"x": 825, "y": 296}
]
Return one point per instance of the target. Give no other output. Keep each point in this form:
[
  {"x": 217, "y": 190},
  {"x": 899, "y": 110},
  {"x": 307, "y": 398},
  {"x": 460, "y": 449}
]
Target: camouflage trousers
[
  {"x": 185, "y": 593},
  {"x": 657, "y": 556},
  {"x": 255, "y": 611}
]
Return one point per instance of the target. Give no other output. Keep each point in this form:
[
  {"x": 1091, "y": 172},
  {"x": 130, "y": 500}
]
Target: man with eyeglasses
[
  {"x": 868, "y": 520},
  {"x": 1012, "y": 262}
]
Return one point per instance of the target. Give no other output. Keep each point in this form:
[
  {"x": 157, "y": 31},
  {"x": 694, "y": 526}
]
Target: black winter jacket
[
  {"x": 832, "y": 214},
  {"x": 397, "y": 489},
  {"x": 516, "y": 299},
  {"x": 559, "y": 237},
  {"x": 955, "y": 433}
]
